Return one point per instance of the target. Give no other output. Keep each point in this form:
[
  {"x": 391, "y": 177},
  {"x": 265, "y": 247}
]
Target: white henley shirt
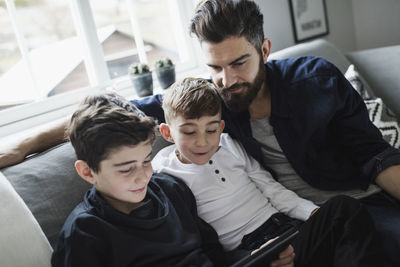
[{"x": 233, "y": 192}]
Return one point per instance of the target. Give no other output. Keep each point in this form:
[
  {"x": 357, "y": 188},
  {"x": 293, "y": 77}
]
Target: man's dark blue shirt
[{"x": 320, "y": 122}]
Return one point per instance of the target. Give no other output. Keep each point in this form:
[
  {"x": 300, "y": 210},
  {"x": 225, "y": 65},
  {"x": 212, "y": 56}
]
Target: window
[
  {"x": 139, "y": 31},
  {"x": 56, "y": 51},
  {"x": 38, "y": 32}
]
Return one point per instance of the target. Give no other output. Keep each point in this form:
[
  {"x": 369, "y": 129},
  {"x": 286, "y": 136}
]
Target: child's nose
[
  {"x": 201, "y": 140},
  {"x": 141, "y": 176}
]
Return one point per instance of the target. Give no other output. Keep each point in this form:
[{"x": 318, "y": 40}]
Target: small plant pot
[
  {"x": 143, "y": 83},
  {"x": 165, "y": 76}
]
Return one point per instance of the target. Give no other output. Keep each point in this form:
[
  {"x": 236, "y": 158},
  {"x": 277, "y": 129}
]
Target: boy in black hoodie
[{"x": 130, "y": 217}]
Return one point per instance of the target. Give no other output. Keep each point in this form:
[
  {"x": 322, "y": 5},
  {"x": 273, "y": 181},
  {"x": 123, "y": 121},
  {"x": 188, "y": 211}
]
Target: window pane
[
  {"x": 10, "y": 56},
  {"x": 54, "y": 52},
  {"x": 158, "y": 31}
]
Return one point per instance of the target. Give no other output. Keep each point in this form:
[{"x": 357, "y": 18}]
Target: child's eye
[
  {"x": 215, "y": 68},
  {"x": 146, "y": 162},
  {"x": 211, "y": 131},
  {"x": 125, "y": 171},
  {"x": 188, "y": 133}
]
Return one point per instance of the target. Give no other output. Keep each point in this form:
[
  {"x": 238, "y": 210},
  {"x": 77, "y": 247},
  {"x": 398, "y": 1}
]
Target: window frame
[{"x": 25, "y": 116}]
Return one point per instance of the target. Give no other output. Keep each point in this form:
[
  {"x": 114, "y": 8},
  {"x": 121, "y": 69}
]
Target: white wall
[
  {"x": 376, "y": 23},
  {"x": 353, "y": 25}
]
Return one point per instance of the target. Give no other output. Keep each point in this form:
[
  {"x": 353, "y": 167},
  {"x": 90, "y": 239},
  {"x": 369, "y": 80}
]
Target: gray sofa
[{"x": 38, "y": 194}]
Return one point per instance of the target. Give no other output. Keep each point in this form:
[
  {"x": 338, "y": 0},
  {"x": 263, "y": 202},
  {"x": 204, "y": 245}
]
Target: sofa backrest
[
  {"x": 317, "y": 48},
  {"x": 324, "y": 49}
]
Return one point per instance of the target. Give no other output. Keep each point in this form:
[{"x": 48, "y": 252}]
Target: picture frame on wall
[{"x": 309, "y": 19}]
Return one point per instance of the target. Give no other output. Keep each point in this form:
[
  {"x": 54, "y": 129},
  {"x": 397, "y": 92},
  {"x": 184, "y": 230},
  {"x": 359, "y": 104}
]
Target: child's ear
[
  {"x": 84, "y": 171},
  {"x": 222, "y": 125},
  {"x": 165, "y": 132}
]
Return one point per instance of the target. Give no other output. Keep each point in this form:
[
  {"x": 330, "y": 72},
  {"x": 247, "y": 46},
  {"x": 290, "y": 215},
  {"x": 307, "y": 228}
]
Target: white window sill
[{"x": 23, "y": 120}]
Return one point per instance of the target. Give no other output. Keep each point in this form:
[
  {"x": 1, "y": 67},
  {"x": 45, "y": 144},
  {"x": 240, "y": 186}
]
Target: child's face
[
  {"x": 124, "y": 175},
  {"x": 196, "y": 139}
]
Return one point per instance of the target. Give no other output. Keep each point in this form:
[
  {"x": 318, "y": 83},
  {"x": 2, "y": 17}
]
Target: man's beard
[{"x": 241, "y": 101}]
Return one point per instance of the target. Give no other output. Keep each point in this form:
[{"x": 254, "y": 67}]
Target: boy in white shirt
[{"x": 242, "y": 201}]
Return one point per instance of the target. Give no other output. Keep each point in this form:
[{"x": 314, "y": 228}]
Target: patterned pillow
[
  {"x": 385, "y": 120},
  {"x": 354, "y": 78},
  {"x": 381, "y": 116}
]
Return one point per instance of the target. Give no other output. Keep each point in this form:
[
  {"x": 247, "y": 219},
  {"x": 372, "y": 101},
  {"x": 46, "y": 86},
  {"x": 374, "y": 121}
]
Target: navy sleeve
[
  {"x": 151, "y": 106},
  {"x": 362, "y": 138}
]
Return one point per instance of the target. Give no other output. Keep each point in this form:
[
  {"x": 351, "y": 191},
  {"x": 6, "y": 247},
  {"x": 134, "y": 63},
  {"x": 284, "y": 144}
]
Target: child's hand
[
  {"x": 286, "y": 257},
  {"x": 313, "y": 212}
]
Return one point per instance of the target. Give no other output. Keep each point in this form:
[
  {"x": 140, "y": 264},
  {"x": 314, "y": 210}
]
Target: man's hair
[
  {"x": 191, "y": 98},
  {"x": 217, "y": 20},
  {"x": 104, "y": 122}
]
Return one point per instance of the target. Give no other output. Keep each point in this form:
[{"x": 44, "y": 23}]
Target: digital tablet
[{"x": 269, "y": 253}]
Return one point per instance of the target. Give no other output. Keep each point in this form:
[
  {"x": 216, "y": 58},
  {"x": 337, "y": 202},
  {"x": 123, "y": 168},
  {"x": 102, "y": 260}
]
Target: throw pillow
[
  {"x": 354, "y": 78},
  {"x": 381, "y": 116},
  {"x": 385, "y": 120}
]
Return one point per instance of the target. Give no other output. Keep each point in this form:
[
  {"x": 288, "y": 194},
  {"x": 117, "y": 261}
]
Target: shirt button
[
  {"x": 211, "y": 162},
  {"x": 216, "y": 171},
  {"x": 223, "y": 179}
]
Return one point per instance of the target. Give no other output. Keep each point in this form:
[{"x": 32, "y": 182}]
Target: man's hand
[{"x": 285, "y": 258}]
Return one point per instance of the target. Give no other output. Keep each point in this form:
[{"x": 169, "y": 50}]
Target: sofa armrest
[{"x": 22, "y": 242}]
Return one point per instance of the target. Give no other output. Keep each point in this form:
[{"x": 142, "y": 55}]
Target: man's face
[
  {"x": 123, "y": 176},
  {"x": 237, "y": 69},
  {"x": 197, "y": 140}
]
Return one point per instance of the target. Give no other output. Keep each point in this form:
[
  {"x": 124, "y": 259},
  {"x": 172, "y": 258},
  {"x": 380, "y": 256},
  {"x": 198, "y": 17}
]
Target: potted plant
[
  {"x": 141, "y": 79},
  {"x": 165, "y": 71}
]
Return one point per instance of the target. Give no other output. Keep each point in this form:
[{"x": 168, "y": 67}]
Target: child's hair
[
  {"x": 104, "y": 122},
  {"x": 217, "y": 20},
  {"x": 191, "y": 98}
]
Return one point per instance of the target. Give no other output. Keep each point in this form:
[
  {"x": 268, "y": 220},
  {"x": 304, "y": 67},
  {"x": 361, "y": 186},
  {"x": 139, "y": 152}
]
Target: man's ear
[
  {"x": 165, "y": 132},
  {"x": 266, "y": 49},
  {"x": 84, "y": 171}
]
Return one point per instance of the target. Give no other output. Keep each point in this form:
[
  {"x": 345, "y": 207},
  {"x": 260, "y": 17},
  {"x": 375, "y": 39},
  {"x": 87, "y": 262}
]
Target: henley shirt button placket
[{"x": 217, "y": 171}]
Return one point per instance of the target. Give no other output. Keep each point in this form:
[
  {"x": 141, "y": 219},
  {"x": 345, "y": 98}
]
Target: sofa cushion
[
  {"x": 22, "y": 242},
  {"x": 50, "y": 187}
]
